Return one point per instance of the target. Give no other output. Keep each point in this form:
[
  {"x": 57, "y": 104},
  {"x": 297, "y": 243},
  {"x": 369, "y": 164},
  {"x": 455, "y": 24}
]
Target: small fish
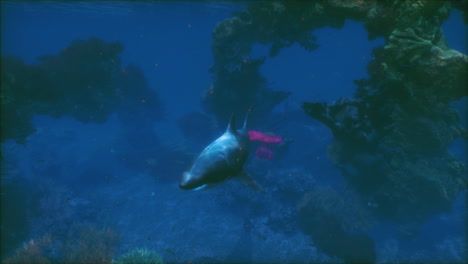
[
  {"x": 173, "y": 228},
  {"x": 67, "y": 199},
  {"x": 312, "y": 244},
  {"x": 40, "y": 160}
]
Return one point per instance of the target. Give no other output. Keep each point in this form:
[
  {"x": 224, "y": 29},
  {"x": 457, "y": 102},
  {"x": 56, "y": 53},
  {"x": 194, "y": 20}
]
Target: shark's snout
[{"x": 186, "y": 182}]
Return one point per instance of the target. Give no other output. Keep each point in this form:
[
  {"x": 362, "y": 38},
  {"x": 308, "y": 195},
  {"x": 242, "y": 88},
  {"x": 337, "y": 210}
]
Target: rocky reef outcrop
[
  {"x": 391, "y": 140},
  {"x": 85, "y": 80}
]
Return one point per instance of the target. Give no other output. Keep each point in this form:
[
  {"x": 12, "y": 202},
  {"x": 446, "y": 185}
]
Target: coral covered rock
[
  {"x": 86, "y": 81},
  {"x": 333, "y": 221},
  {"x": 391, "y": 140},
  {"x": 139, "y": 256}
]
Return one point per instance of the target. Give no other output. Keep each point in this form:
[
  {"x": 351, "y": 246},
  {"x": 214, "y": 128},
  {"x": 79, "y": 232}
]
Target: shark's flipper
[{"x": 245, "y": 178}]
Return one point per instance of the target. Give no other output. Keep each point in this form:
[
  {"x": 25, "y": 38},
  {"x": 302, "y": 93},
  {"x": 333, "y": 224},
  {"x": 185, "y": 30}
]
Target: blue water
[{"x": 116, "y": 175}]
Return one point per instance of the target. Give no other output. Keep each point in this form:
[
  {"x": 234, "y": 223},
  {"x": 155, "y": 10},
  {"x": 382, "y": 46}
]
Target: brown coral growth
[
  {"x": 92, "y": 245},
  {"x": 32, "y": 252}
]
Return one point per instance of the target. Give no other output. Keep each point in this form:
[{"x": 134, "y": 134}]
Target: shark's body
[{"x": 220, "y": 161}]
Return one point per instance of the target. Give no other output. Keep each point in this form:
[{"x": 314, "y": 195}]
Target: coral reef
[
  {"x": 83, "y": 243},
  {"x": 86, "y": 81},
  {"x": 238, "y": 83},
  {"x": 81, "y": 81},
  {"x": 32, "y": 252},
  {"x": 332, "y": 223},
  {"x": 391, "y": 140},
  {"x": 137, "y": 100},
  {"x": 15, "y": 193},
  {"x": 16, "y": 91},
  {"x": 461, "y": 5},
  {"x": 91, "y": 245},
  {"x": 352, "y": 212},
  {"x": 139, "y": 256}
]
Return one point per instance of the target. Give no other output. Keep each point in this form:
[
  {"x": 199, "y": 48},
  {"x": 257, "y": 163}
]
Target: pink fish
[
  {"x": 259, "y": 136},
  {"x": 255, "y": 135},
  {"x": 272, "y": 139},
  {"x": 264, "y": 153}
]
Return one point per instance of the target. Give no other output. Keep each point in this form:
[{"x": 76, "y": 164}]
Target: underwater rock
[
  {"x": 237, "y": 82},
  {"x": 17, "y": 203},
  {"x": 332, "y": 223},
  {"x": 461, "y": 5},
  {"x": 140, "y": 255},
  {"x": 82, "y": 80},
  {"x": 391, "y": 140},
  {"x": 85, "y": 80},
  {"x": 16, "y": 95},
  {"x": 138, "y": 100},
  {"x": 427, "y": 61},
  {"x": 404, "y": 166}
]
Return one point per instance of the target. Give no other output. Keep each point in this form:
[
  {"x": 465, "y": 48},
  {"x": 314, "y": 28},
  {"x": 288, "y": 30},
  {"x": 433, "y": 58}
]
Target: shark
[{"x": 222, "y": 160}]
